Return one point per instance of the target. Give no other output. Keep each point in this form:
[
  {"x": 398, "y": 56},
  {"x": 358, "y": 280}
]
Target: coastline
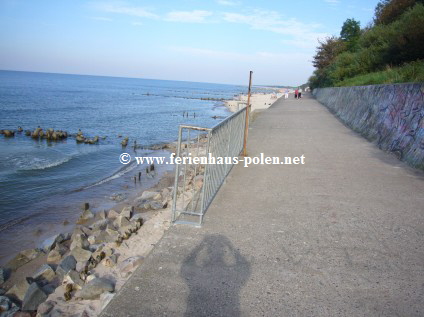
[{"x": 155, "y": 222}]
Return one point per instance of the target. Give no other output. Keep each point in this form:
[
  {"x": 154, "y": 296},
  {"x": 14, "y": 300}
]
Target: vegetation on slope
[{"x": 391, "y": 50}]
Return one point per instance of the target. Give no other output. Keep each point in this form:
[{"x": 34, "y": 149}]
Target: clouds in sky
[
  {"x": 124, "y": 9},
  {"x": 195, "y": 16},
  {"x": 296, "y": 33},
  {"x": 201, "y": 40}
]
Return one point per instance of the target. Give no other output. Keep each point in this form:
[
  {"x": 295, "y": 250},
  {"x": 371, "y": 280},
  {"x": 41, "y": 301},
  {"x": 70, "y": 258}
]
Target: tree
[
  {"x": 327, "y": 50},
  {"x": 350, "y": 33},
  {"x": 387, "y": 11}
]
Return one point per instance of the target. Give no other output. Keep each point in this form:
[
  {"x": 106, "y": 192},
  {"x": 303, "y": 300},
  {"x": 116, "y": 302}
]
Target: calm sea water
[{"x": 42, "y": 183}]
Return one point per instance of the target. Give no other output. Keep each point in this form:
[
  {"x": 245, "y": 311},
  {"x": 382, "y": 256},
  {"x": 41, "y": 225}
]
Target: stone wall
[{"x": 392, "y": 116}]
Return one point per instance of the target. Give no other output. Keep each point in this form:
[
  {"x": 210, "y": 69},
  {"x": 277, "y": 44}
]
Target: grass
[{"x": 410, "y": 72}]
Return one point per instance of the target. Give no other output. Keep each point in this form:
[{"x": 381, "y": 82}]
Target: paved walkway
[{"x": 341, "y": 235}]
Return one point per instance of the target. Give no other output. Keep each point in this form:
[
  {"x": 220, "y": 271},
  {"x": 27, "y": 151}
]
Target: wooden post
[{"x": 246, "y": 128}]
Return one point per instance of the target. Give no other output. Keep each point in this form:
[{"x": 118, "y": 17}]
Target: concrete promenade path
[{"x": 341, "y": 235}]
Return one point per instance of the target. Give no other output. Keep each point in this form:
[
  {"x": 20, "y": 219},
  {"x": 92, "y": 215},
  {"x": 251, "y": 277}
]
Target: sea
[{"x": 44, "y": 183}]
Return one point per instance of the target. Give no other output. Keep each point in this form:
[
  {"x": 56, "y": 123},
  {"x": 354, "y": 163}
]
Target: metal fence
[{"x": 205, "y": 159}]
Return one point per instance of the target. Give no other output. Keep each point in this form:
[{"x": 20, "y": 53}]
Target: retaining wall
[{"x": 390, "y": 115}]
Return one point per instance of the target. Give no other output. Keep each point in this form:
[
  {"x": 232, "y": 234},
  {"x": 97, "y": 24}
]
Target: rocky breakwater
[
  {"x": 68, "y": 273},
  {"x": 79, "y": 272}
]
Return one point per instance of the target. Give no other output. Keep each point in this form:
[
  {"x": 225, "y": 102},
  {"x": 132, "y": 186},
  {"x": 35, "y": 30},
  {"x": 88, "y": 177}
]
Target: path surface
[{"x": 341, "y": 235}]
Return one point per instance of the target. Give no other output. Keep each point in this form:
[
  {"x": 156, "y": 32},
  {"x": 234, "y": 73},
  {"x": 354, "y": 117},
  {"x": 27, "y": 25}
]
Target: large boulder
[
  {"x": 99, "y": 225},
  {"x": 147, "y": 195},
  {"x": 121, "y": 221},
  {"x": 18, "y": 290},
  {"x": 23, "y": 257},
  {"x": 94, "y": 288},
  {"x": 67, "y": 264},
  {"x": 44, "y": 273},
  {"x": 73, "y": 277},
  {"x": 86, "y": 215},
  {"x": 56, "y": 254},
  {"x": 51, "y": 242},
  {"x": 112, "y": 214},
  {"x": 127, "y": 212},
  {"x": 33, "y": 297},
  {"x": 80, "y": 254},
  {"x": 79, "y": 240},
  {"x": 7, "y": 307}
]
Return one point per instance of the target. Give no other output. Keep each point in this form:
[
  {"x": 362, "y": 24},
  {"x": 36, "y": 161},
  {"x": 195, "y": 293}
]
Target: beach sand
[{"x": 259, "y": 101}]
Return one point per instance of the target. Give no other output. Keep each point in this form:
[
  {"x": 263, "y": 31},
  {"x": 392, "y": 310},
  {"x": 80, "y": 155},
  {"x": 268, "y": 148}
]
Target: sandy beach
[{"x": 259, "y": 101}]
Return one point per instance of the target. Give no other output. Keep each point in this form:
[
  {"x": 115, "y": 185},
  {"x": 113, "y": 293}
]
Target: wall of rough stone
[{"x": 392, "y": 116}]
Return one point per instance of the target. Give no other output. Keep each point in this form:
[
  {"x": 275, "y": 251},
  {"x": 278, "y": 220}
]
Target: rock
[
  {"x": 128, "y": 265},
  {"x": 8, "y": 133},
  {"x": 73, "y": 277},
  {"x": 80, "y": 254},
  {"x": 105, "y": 298},
  {"x": 99, "y": 225},
  {"x": 7, "y": 307},
  {"x": 118, "y": 197},
  {"x": 81, "y": 266},
  {"x": 113, "y": 234},
  {"x": 33, "y": 297},
  {"x": 112, "y": 214},
  {"x": 101, "y": 215},
  {"x": 94, "y": 288},
  {"x": 51, "y": 242},
  {"x": 124, "y": 142},
  {"x": 81, "y": 241},
  {"x": 86, "y": 215},
  {"x": 56, "y": 254},
  {"x": 3, "y": 275},
  {"x": 155, "y": 205},
  {"x": 110, "y": 261},
  {"x": 22, "y": 258},
  {"x": 46, "y": 307},
  {"x": 45, "y": 272},
  {"x": 149, "y": 195},
  {"x": 90, "y": 278},
  {"x": 121, "y": 221},
  {"x": 49, "y": 288},
  {"x": 136, "y": 217},
  {"x": 23, "y": 314},
  {"x": 100, "y": 237},
  {"x": 198, "y": 182},
  {"x": 19, "y": 290},
  {"x": 67, "y": 264},
  {"x": 166, "y": 194},
  {"x": 86, "y": 230},
  {"x": 127, "y": 211}
]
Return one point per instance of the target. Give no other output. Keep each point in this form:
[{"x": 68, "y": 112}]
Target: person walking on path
[
  {"x": 299, "y": 95},
  {"x": 286, "y": 94},
  {"x": 296, "y": 92}
]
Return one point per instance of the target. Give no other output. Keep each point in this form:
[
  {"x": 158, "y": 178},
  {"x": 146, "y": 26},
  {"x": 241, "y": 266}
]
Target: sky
[{"x": 217, "y": 41}]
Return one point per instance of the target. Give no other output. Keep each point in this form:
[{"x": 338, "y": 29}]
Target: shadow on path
[{"x": 215, "y": 272}]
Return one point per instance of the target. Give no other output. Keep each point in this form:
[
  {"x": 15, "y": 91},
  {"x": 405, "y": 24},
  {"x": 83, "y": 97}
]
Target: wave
[
  {"x": 122, "y": 171},
  {"x": 16, "y": 221},
  {"x": 41, "y": 164}
]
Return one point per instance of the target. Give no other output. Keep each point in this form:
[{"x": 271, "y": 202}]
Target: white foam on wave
[
  {"x": 119, "y": 173},
  {"x": 37, "y": 163}
]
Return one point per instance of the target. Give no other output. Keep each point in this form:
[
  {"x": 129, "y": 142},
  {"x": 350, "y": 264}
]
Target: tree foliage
[
  {"x": 384, "y": 45},
  {"x": 351, "y": 30},
  {"x": 387, "y": 11}
]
